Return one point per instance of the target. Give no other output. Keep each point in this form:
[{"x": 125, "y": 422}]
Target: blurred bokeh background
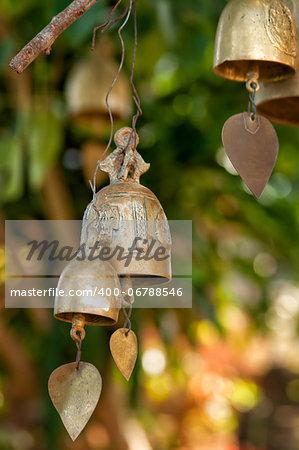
[{"x": 222, "y": 376}]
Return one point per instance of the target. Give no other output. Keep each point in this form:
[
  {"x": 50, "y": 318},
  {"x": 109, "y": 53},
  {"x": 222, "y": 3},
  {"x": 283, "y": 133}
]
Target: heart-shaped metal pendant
[
  {"x": 75, "y": 391},
  {"x": 252, "y": 147},
  {"x": 124, "y": 348}
]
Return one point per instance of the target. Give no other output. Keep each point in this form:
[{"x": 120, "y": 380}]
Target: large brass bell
[
  {"x": 279, "y": 101},
  {"x": 90, "y": 289},
  {"x": 255, "y": 36},
  {"x": 128, "y": 219}
]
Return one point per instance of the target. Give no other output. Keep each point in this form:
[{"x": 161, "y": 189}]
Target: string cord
[{"x": 105, "y": 26}]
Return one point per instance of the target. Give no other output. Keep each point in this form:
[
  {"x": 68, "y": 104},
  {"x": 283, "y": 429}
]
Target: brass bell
[
  {"x": 87, "y": 86},
  {"x": 88, "y": 288},
  {"x": 128, "y": 219},
  {"x": 255, "y": 36},
  {"x": 279, "y": 101}
]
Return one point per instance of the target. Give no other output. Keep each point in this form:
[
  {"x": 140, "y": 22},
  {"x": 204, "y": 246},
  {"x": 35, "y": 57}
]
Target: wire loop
[{"x": 251, "y": 103}]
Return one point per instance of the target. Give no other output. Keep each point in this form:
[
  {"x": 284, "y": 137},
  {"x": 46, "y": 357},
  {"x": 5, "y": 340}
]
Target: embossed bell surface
[
  {"x": 279, "y": 101},
  {"x": 127, "y": 211},
  {"x": 90, "y": 288},
  {"x": 255, "y": 36}
]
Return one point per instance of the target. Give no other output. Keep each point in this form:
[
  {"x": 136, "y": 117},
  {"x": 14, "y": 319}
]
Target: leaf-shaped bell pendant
[
  {"x": 255, "y": 36},
  {"x": 279, "y": 101},
  {"x": 88, "y": 293}
]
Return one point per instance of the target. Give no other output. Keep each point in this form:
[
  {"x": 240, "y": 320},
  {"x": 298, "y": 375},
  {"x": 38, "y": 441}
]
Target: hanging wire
[
  {"x": 136, "y": 97},
  {"x": 78, "y": 344},
  {"x": 107, "y": 25},
  {"x": 251, "y": 103},
  {"x": 127, "y": 314}
]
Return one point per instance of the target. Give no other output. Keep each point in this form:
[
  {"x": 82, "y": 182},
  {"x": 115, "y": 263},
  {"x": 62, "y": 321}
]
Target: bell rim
[
  {"x": 282, "y": 118},
  {"x": 141, "y": 280},
  {"x": 110, "y": 318},
  {"x": 288, "y": 70}
]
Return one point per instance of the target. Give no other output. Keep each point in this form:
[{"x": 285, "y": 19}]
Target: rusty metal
[
  {"x": 124, "y": 349},
  {"x": 88, "y": 278},
  {"x": 255, "y": 34},
  {"x": 126, "y": 210},
  {"x": 279, "y": 101},
  {"x": 77, "y": 331},
  {"x": 75, "y": 392},
  {"x": 252, "y": 147}
]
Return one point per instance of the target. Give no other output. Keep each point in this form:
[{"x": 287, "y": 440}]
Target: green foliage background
[{"x": 184, "y": 108}]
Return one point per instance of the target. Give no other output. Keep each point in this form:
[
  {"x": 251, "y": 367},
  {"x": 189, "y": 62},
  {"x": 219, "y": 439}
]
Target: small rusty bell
[
  {"x": 90, "y": 290},
  {"x": 279, "y": 101},
  {"x": 128, "y": 219},
  {"x": 255, "y": 36}
]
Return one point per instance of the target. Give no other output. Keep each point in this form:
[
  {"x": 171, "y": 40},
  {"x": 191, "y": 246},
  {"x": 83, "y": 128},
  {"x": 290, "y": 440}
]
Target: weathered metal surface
[
  {"x": 125, "y": 211},
  {"x": 125, "y": 163},
  {"x": 97, "y": 286},
  {"x": 124, "y": 348},
  {"x": 279, "y": 101},
  {"x": 75, "y": 393},
  {"x": 252, "y": 147},
  {"x": 253, "y": 32}
]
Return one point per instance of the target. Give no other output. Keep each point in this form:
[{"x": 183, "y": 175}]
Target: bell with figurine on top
[{"x": 128, "y": 219}]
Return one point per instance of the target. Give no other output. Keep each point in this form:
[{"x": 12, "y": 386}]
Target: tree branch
[{"x": 45, "y": 38}]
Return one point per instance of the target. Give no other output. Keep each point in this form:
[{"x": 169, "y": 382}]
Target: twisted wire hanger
[{"x": 105, "y": 26}]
